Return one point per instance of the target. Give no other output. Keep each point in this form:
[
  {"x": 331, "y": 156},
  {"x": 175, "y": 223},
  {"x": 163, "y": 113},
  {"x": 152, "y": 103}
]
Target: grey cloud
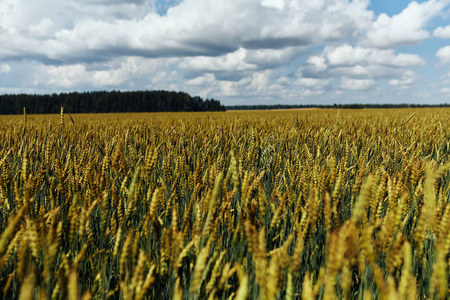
[
  {"x": 273, "y": 58},
  {"x": 218, "y": 75},
  {"x": 276, "y": 43},
  {"x": 189, "y": 29},
  {"x": 230, "y": 76},
  {"x": 202, "y": 47},
  {"x": 308, "y": 72},
  {"x": 367, "y": 71}
]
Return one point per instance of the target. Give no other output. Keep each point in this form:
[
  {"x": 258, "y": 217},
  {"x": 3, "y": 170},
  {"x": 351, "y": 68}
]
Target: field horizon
[{"x": 282, "y": 204}]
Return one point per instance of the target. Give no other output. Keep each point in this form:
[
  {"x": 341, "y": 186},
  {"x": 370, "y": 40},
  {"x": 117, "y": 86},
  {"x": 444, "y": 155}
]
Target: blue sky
[
  {"x": 240, "y": 52},
  {"x": 390, "y": 8}
]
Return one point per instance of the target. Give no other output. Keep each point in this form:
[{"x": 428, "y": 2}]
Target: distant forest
[
  {"x": 107, "y": 102},
  {"x": 343, "y": 106}
]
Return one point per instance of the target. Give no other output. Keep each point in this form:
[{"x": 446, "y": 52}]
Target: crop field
[{"x": 294, "y": 204}]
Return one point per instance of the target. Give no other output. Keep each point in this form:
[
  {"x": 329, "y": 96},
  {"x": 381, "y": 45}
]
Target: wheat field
[{"x": 294, "y": 204}]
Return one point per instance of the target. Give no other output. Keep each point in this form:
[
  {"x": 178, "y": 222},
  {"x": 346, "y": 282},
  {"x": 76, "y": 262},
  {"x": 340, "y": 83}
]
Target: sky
[{"x": 240, "y": 52}]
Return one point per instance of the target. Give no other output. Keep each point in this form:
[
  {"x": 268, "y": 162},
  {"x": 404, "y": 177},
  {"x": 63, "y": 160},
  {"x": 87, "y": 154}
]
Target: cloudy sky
[{"x": 237, "y": 51}]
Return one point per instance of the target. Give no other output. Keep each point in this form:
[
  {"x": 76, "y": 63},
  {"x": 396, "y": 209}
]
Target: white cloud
[
  {"x": 239, "y": 61},
  {"x": 234, "y": 61},
  {"x": 208, "y": 79},
  {"x": 364, "y": 71},
  {"x": 408, "y": 78},
  {"x": 406, "y": 28},
  {"x": 4, "y": 68},
  {"x": 311, "y": 92},
  {"x": 260, "y": 80},
  {"x": 445, "y": 91},
  {"x": 67, "y": 76},
  {"x": 283, "y": 81},
  {"x": 356, "y": 84},
  {"x": 125, "y": 72},
  {"x": 78, "y": 31},
  {"x": 44, "y": 29},
  {"x": 108, "y": 78},
  {"x": 359, "y": 63},
  {"x": 317, "y": 63},
  {"x": 29, "y": 31},
  {"x": 442, "y": 32},
  {"x": 205, "y": 92},
  {"x": 347, "y": 55},
  {"x": 269, "y": 58},
  {"x": 279, "y": 4},
  {"x": 232, "y": 88},
  {"x": 313, "y": 82},
  {"x": 113, "y": 2},
  {"x": 443, "y": 55}
]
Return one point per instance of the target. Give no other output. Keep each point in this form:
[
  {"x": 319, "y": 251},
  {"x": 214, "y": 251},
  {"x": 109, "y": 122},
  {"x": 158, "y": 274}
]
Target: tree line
[
  {"x": 107, "y": 102},
  {"x": 340, "y": 106}
]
